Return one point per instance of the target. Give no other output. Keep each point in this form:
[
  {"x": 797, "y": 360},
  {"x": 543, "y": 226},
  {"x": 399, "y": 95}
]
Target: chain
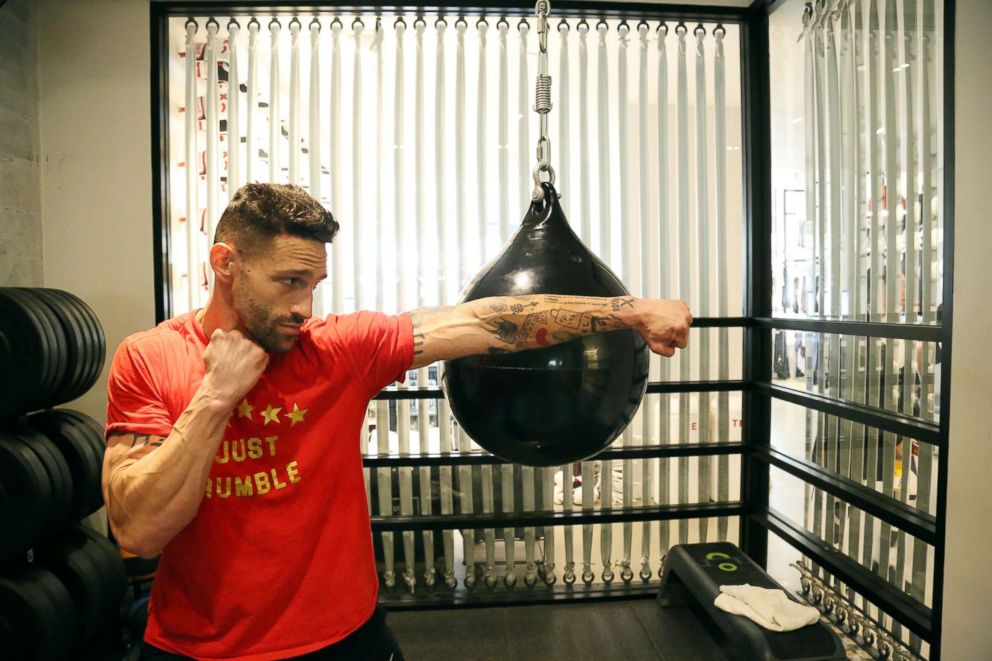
[{"x": 542, "y": 101}]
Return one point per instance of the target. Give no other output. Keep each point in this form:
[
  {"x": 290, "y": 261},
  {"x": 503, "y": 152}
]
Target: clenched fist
[
  {"x": 233, "y": 365},
  {"x": 664, "y": 324}
]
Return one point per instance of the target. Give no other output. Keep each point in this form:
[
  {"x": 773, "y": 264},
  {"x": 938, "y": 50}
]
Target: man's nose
[{"x": 303, "y": 308}]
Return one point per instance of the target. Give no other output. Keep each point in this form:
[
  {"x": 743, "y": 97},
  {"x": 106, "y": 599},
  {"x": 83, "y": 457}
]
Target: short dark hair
[{"x": 258, "y": 212}]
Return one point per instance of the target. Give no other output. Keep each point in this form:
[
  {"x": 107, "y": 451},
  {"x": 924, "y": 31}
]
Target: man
[{"x": 232, "y": 439}]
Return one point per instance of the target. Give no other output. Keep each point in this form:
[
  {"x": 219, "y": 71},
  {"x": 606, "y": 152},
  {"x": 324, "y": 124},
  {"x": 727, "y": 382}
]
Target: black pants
[{"x": 372, "y": 642}]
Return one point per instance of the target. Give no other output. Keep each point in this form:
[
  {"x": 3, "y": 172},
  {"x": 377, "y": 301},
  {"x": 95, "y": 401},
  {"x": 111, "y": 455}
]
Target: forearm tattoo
[
  {"x": 534, "y": 321},
  {"x": 510, "y": 323}
]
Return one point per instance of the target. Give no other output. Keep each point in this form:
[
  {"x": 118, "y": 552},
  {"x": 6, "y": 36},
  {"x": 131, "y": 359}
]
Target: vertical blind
[{"x": 417, "y": 132}]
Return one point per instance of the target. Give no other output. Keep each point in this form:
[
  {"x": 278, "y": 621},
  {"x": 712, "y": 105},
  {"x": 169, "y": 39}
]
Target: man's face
[{"x": 273, "y": 289}]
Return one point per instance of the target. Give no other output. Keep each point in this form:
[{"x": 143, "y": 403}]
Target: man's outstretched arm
[{"x": 502, "y": 324}]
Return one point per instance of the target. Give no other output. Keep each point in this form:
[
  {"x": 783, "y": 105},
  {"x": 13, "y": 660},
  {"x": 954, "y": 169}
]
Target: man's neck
[{"x": 217, "y": 314}]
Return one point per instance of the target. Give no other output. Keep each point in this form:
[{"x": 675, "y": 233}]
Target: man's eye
[{"x": 292, "y": 282}]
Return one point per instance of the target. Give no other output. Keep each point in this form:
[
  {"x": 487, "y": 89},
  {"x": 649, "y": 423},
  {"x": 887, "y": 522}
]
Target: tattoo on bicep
[
  {"x": 498, "y": 306},
  {"x": 141, "y": 440}
]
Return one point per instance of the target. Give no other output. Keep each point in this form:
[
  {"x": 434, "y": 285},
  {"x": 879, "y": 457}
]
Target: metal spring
[
  {"x": 827, "y": 599},
  {"x": 543, "y": 99}
]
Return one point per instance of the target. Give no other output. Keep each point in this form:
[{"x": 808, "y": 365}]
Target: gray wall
[
  {"x": 96, "y": 173},
  {"x": 967, "y": 574},
  {"x": 20, "y": 185}
]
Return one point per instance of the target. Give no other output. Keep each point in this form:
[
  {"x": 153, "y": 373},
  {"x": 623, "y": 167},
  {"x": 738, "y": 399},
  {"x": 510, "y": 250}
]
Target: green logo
[{"x": 723, "y": 566}]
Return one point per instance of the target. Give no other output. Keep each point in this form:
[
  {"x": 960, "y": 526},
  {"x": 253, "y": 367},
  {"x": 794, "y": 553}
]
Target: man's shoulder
[
  {"x": 334, "y": 328},
  {"x": 171, "y": 332}
]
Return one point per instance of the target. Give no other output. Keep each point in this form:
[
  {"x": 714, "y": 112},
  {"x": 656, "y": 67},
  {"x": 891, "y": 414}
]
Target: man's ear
[{"x": 223, "y": 261}]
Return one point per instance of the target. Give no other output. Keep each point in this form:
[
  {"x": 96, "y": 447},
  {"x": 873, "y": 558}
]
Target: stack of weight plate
[{"x": 60, "y": 582}]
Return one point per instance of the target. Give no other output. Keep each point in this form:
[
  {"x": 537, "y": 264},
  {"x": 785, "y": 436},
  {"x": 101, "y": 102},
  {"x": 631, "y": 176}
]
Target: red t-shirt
[{"x": 278, "y": 561}]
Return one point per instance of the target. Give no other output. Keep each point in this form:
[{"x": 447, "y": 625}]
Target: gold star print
[
  {"x": 296, "y": 415},
  {"x": 245, "y": 409},
  {"x": 271, "y": 414}
]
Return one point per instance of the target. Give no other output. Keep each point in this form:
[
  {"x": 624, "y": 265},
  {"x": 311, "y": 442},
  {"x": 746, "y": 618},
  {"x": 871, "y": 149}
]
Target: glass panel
[
  {"x": 712, "y": 354},
  {"x": 858, "y": 452},
  {"x": 857, "y": 160},
  {"x": 896, "y": 556},
  {"x": 857, "y": 149},
  {"x": 863, "y": 370}
]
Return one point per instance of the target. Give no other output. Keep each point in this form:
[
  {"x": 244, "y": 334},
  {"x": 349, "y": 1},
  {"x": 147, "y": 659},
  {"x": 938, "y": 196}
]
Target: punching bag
[{"x": 558, "y": 404}]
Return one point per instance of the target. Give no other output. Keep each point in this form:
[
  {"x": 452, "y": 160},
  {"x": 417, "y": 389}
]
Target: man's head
[{"x": 268, "y": 255}]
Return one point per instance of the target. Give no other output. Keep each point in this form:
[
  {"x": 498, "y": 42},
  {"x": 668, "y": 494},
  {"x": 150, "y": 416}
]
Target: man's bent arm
[
  {"x": 153, "y": 485},
  {"x": 503, "y": 324}
]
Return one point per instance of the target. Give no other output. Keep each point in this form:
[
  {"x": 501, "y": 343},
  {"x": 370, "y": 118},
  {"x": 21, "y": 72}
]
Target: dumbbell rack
[{"x": 61, "y": 583}]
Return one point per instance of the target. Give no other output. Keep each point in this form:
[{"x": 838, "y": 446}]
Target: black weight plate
[
  {"x": 90, "y": 354},
  {"x": 65, "y": 608},
  {"x": 10, "y": 647},
  {"x": 67, "y": 433},
  {"x": 108, "y": 555},
  {"x": 58, "y": 473},
  {"x": 97, "y": 347},
  {"x": 85, "y": 351},
  {"x": 54, "y": 353},
  {"x": 68, "y": 319},
  {"x": 23, "y": 354},
  {"x": 113, "y": 579},
  {"x": 93, "y": 432},
  {"x": 40, "y": 612},
  {"x": 42, "y": 308},
  {"x": 27, "y": 493},
  {"x": 90, "y": 431},
  {"x": 58, "y": 340},
  {"x": 89, "y": 348},
  {"x": 97, "y": 437},
  {"x": 26, "y": 606},
  {"x": 94, "y": 441},
  {"x": 66, "y": 556},
  {"x": 78, "y": 455}
]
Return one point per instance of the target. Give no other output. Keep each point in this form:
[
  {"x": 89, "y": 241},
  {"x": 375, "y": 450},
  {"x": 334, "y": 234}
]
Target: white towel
[{"x": 771, "y": 609}]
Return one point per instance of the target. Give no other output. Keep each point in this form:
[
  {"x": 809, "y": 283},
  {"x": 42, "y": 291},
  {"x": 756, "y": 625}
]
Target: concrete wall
[
  {"x": 20, "y": 182},
  {"x": 96, "y": 173},
  {"x": 967, "y": 574}
]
